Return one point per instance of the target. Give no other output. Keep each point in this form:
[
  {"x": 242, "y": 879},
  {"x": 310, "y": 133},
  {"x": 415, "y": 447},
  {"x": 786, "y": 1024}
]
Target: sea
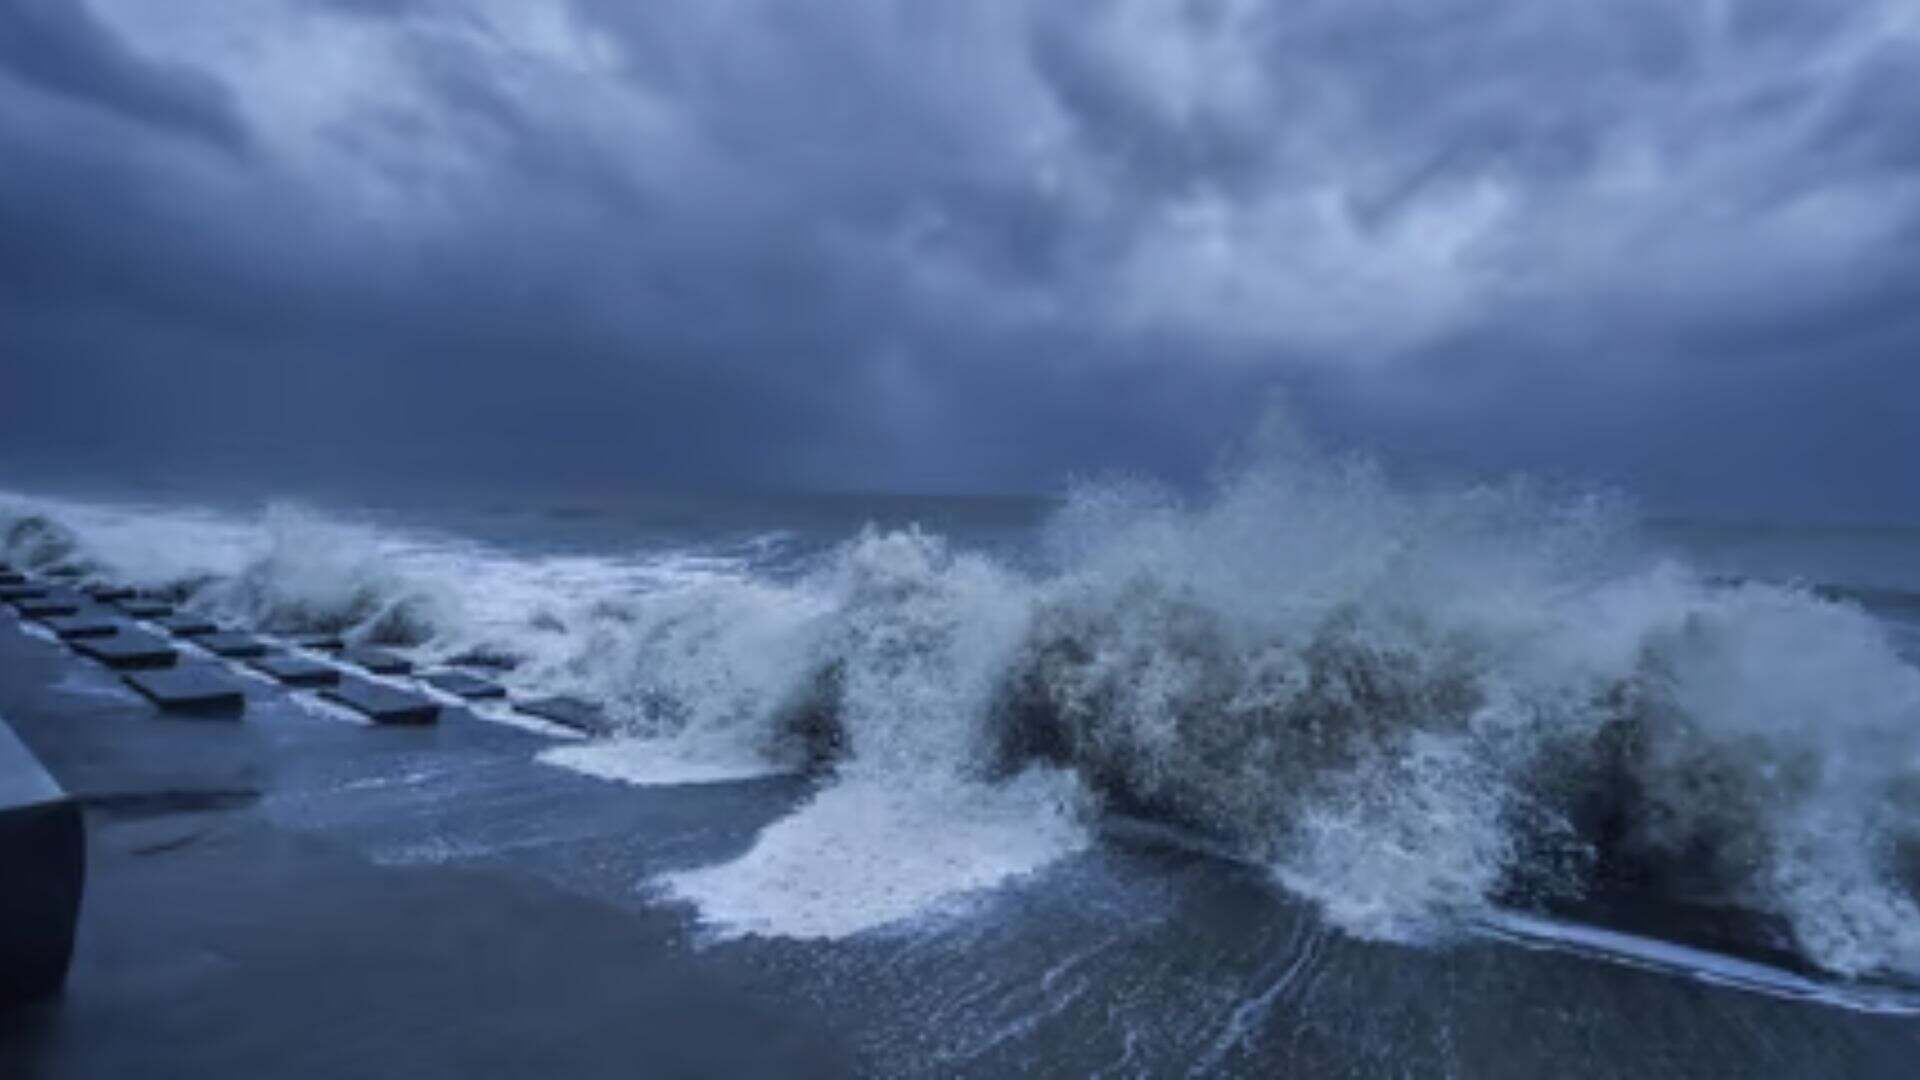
[{"x": 1309, "y": 770}]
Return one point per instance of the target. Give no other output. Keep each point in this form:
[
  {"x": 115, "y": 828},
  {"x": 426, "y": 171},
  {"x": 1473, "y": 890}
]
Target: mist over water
[{"x": 1413, "y": 705}]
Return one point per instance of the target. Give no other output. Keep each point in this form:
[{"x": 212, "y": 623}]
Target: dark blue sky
[{"x": 899, "y": 244}]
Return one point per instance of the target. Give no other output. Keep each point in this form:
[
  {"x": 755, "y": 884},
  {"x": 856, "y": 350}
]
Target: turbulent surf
[{"x": 1413, "y": 705}]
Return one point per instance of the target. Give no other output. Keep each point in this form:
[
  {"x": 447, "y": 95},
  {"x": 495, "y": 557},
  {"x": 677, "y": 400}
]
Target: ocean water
[{"x": 1429, "y": 714}]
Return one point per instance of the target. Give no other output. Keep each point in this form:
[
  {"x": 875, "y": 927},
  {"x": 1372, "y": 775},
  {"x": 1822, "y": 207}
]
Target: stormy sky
[{"x": 1671, "y": 246}]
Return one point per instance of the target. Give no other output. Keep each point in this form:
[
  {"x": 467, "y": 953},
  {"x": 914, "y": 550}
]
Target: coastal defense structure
[{"x": 43, "y": 853}]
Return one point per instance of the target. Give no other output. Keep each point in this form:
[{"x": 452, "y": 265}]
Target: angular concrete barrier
[
  {"x": 570, "y": 712},
  {"x": 48, "y": 606},
  {"x": 462, "y": 684},
  {"x": 378, "y": 661},
  {"x": 43, "y": 851},
  {"x": 383, "y": 704},
  {"x": 186, "y": 626},
  {"x": 141, "y": 607},
  {"x": 485, "y": 660},
  {"x": 84, "y": 625},
  {"x": 296, "y": 670},
  {"x": 233, "y": 645},
  {"x": 128, "y": 651},
  {"x": 202, "y": 689}
]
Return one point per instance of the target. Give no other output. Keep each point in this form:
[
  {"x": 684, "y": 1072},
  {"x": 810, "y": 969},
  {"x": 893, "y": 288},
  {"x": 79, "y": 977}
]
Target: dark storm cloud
[
  {"x": 962, "y": 246},
  {"x": 58, "y": 46}
]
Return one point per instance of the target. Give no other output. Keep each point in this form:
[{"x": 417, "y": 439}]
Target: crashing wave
[
  {"x": 39, "y": 542},
  {"x": 1413, "y": 705}
]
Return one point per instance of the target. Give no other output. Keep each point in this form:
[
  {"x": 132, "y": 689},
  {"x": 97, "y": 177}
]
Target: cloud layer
[{"x": 888, "y": 243}]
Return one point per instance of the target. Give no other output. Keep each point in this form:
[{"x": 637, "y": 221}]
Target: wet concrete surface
[{"x": 217, "y": 938}]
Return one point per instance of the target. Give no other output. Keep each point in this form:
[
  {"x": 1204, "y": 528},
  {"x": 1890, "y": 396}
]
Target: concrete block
[
  {"x": 296, "y": 670},
  {"x": 568, "y": 712},
  {"x": 317, "y": 642},
  {"x": 383, "y": 704},
  {"x": 84, "y": 625},
  {"x": 378, "y": 661},
  {"x": 463, "y": 684},
  {"x": 12, "y": 577},
  {"x": 231, "y": 644},
  {"x": 128, "y": 651},
  {"x": 25, "y": 590},
  {"x": 43, "y": 851},
  {"x": 200, "y": 688},
  {"x": 187, "y": 626},
  {"x": 103, "y": 594},
  {"x": 485, "y": 660},
  {"x": 66, "y": 572},
  {"x": 141, "y": 607},
  {"x": 48, "y": 606}
]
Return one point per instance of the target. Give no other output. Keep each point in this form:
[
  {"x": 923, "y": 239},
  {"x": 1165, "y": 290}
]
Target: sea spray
[
  {"x": 908, "y": 642},
  {"x": 1416, "y": 704},
  {"x": 312, "y": 574},
  {"x": 1412, "y": 704}
]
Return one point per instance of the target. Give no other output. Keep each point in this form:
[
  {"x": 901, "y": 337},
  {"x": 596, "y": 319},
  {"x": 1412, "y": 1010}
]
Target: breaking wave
[{"x": 1412, "y": 705}]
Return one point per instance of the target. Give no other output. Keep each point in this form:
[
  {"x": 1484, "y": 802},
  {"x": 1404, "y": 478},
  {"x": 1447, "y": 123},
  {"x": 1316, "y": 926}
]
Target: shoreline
[{"x": 290, "y": 895}]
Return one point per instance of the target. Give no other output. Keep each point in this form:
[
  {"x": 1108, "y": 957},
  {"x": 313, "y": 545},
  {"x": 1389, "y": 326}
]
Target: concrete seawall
[
  {"x": 42, "y": 867},
  {"x": 224, "y": 934}
]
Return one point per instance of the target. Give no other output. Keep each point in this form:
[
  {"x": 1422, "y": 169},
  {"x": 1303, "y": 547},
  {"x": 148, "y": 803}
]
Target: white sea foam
[
  {"x": 661, "y": 762},
  {"x": 1412, "y": 705},
  {"x": 326, "y": 710},
  {"x": 1636, "y": 951},
  {"x": 866, "y": 853}
]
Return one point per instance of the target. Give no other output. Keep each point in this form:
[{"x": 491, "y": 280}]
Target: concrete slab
[
  {"x": 85, "y": 625},
  {"x": 26, "y": 590},
  {"x": 128, "y": 651},
  {"x": 383, "y": 704},
  {"x": 317, "y": 642},
  {"x": 463, "y": 684},
  {"x": 47, "y": 606},
  {"x": 43, "y": 848},
  {"x": 107, "y": 593},
  {"x": 296, "y": 670},
  {"x": 231, "y": 644},
  {"x": 568, "y": 712},
  {"x": 141, "y": 607},
  {"x": 12, "y": 577},
  {"x": 202, "y": 689},
  {"x": 187, "y": 626},
  {"x": 485, "y": 660},
  {"x": 378, "y": 661}
]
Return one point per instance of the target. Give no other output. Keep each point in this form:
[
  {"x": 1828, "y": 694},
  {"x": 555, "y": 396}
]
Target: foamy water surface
[{"x": 1416, "y": 707}]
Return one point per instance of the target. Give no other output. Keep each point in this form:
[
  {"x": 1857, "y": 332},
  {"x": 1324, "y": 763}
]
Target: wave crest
[
  {"x": 1412, "y": 705},
  {"x": 311, "y": 574}
]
